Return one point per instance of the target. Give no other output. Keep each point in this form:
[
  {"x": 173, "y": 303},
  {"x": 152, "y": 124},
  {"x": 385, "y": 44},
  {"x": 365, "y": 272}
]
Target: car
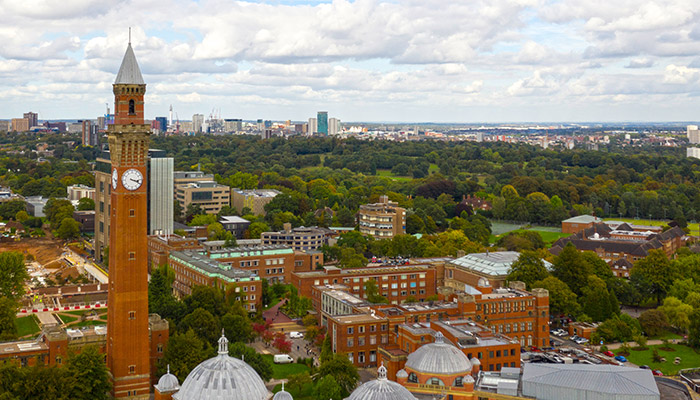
[
  {"x": 283, "y": 359},
  {"x": 296, "y": 335},
  {"x": 644, "y": 367},
  {"x": 621, "y": 358},
  {"x": 656, "y": 372},
  {"x": 609, "y": 353}
]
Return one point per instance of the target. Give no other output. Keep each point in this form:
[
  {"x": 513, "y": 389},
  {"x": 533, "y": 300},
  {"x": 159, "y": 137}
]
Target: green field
[
  {"x": 387, "y": 174},
  {"x": 87, "y": 323},
  {"x": 549, "y": 234},
  {"x": 282, "y": 371},
  {"x": 67, "y": 319},
  {"x": 689, "y": 358},
  {"x": 694, "y": 227},
  {"x": 27, "y": 325},
  {"x": 306, "y": 392}
]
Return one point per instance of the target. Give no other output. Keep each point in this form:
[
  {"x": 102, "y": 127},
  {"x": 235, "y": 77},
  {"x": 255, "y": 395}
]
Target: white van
[{"x": 283, "y": 359}]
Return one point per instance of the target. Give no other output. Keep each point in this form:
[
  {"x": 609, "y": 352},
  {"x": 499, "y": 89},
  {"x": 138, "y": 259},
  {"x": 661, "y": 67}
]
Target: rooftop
[
  {"x": 490, "y": 263},
  {"x": 583, "y": 219},
  {"x": 129, "y": 71},
  {"x": 212, "y": 268},
  {"x": 257, "y": 192},
  {"x": 233, "y": 219}
]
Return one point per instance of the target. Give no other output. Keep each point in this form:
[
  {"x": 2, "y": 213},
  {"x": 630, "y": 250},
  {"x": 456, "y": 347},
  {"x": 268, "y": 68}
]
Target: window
[
  {"x": 351, "y": 330},
  {"x": 132, "y": 314},
  {"x": 132, "y": 255},
  {"x": 361, "y": 341},
  {"x": 132, "y": 369},
  {"x": 132, "y": 107},
  {"x": 458, "y": 382},
  {"x": 160, "y": 347},
  {"x": 351, "y": 342},
  {"x": 412, "y": 378}
]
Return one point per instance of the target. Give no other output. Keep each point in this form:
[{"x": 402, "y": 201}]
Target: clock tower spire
[{"x": 127, "y": 308}]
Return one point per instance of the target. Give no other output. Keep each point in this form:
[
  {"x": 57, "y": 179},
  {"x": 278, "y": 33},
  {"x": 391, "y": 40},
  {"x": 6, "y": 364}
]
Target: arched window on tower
[{"x": 132, "y": 107}]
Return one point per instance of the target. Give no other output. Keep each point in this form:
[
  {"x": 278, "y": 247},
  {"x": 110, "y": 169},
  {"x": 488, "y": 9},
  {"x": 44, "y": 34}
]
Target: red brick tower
[{"x": 127, "y": 316}]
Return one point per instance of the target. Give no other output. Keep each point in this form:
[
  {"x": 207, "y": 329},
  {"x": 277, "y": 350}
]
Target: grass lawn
[
  {"x": 433, "y": 169},
  {"x": 77, "y": 312},
  {"x": 549, "y": 234},
  {"x": 306, "y": 392},
  {"x": 67, "y": 319},
  {"x": 87, "y": 323},
  {"x": 27, "y": 325},
  {"x": 387, "y": 174},
  {"x": 689, "y": 358},
  {"x": 282, "y": 371},
  {"x": 103, "y": 317}
]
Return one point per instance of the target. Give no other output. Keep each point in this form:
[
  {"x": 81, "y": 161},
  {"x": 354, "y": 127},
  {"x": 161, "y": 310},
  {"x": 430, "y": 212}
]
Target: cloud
[{"x": 640, "y": 63}]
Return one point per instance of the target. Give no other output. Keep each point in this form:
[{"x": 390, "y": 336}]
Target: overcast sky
[{"x": 366, "y": 60}]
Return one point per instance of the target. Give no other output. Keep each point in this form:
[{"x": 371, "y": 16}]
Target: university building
[{"x": 383, "y": 220}]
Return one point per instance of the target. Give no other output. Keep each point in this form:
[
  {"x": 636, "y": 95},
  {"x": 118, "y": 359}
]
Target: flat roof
[
  {"x": 495, "y": 263},
  {"x": 212, "y": 268}
]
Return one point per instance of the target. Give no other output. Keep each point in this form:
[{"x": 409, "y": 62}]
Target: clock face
[
  {"x": 115, "y": 178},
  {"x": 132, "y": 179}
]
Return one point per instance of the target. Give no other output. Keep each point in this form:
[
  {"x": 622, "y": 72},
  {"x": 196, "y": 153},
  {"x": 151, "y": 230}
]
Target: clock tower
[{"x": 127, "y": 308}]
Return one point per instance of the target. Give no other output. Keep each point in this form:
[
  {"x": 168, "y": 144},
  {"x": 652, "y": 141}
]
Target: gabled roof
[{"x": 129, "y": 72}]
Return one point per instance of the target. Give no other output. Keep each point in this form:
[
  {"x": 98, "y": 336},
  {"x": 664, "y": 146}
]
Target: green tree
[
  {"x": 372, "y": 293},
  {"x": 414, "y": 224},
  {"x": 677, "y": 312},
  {"x": 203, "y": 323},
  {"x": 349, "y": 258},
  {"x": 570, "y": 268},
  {"x": 654, "y": 322},
  {"x": 184, "y": 352},
  {"x": 21, "y": 216},
  {"x": 13, "y": 274},
  {"x": 596, "y": 300},
  {"x": 328, "y": 388},
  {"x": 8, "y": 314},
  {"x": 69, "y": 229},
  {"x": 344, "y": 372},
  {"x": 243, "y": 180},
  {"x": 86, "y": 204},
  {"x": 694, "y": 329},
  {"x": 257, "y": 228},
  {"x": 203, "y": 220},
  {"x": 298, "y": 381},
  {"x": 90, "y": 373},
  {"x": 528, "y": 268},
  {"x": 260, "y": 364},
  {"x": 654, "y": 274},
  {"x": 238, "y": 328},
  {"x": 561, "y": 299},
  {"x": 326, "y": 349}
]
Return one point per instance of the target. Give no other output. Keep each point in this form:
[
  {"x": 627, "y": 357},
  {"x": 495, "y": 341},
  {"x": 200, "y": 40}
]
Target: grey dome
[
  {"x": 381, "y": 389},
  {"x": 282, "y": 395},
  {"x": 402, "y": 374},
  {"x": 168, "y": 382},
  {"x": 475, "y": 361},
  {"x": 439, "y": 358},
  {"x": 223, "y": 378}
]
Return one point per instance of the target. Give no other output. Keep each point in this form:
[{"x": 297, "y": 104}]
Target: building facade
[
  {"x": 32, "y": 119},
  {"x": 208, "y": 195},
  {"x": 161, "y": 194},
  {"x": 77, "y": 192},
  {"x": 322, "y": 121},
  {"x": 255, "y": 199},
  {"x": 297, "y": 238},
  {"x": 383, "y": 220}
]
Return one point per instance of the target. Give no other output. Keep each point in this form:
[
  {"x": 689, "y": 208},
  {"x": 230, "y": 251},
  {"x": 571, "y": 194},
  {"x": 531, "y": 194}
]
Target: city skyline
[{"x": 503, "y": 61}]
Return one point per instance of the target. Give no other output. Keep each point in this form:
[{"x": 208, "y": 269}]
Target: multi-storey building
[
  {"x": 300, "y": 238},
  {"x": 579, "y": 223},
  {"x": 254, "y": 200},
  {"x": 32, "y": 119},
  {"x": 89, "y": 135},
  {"x": 312, "y": 126},
  {"x": 322, "y": 120},
  {"x": 161, "y": 193},
  {"x": 493, "y": 266},
  {"x": 193, "y": 268},
  {"x": 208, "y": 195},
  {"x": 160, "y": 246},
  {"x": 383, "y": 220},
  {"x": 185, "y": 177},
  {"x": 396, "y": 283},
  {"x": 333, "y": 126},
  {"x": 20, "y": 124},
  {"x": 274, "y": 263},
  {"x": 197, "y": 122},
  {"x": 234, "y": 224},
  {"x": 77, "y": 192}
]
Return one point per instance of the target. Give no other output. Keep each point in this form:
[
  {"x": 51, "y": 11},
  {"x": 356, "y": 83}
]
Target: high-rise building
[
  {"x": 162, "y": 124},
  {"x": 161, "y": 194},
  {"x": 20, "y": 125},
  {"x": 260, "y": 124},
  {"x": 313, "y": 126},
  {"x": 128, "y": 350},
  {"x": 333, "y": 126},
  {"x": 693, "y": 134},
  {"x": 322, "y": 120},
  {"x": 89, "y": 135},
  {"x": 32, "y": 118},
  {"x": 197, "y": 122},
  {"x": 233, "y": 125}
]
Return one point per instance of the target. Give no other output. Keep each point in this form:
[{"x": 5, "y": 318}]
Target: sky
[{"x": 365, "y": 60}]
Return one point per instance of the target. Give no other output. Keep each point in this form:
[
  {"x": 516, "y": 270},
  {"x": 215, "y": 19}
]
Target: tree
[
  {"x": 596, "y": 300},
  {"x": 654, "y": 322},
  {"x": 21, "y": 216},
  {"x": 349, "y": 258},
  {"x": 203, "y": 220},
  {"x": 561, "y": 299},
  {"x": 86, "y": 204},
  {"x": 528, "y": 268},
  {"x": 298, "y": 381},
  {"x": 372, "y": 293},
  {"x": 202, "y": 323},
  {"x": 243, "y": 180},
  {"x": 184, "y": 352},
  {"x": 326, "y": 350},
  {"x": 13, "y": 274},
  {"x": 90, "y": 373},
  {"x": 260, "y": 364},
  {"x": 328, "y": 388},
  {"x": 69, "y": 229},
  {"x": 281, "y": 343},
  {"x": 207, "y": 297},
  {"x": 654, "y": 274},
  {"x": 8, "y": 313},
  {"x": 345, "y": 373},
  {"x": 694, "y": 329},
  {"x": 237, "y": 327},
  {"x": 257, "y": 228},
  {"x": 570, "y": 268},
  {"x": 414, "y": 224},
  {"x": 677, "y": 312}
]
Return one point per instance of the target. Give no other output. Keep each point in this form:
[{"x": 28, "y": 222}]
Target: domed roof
[
  {"x": 168, "y": 382},
  {"x": 381, "y": 389},
  {"x": 223, "y": 377},
  {"x": 282, "y": 395},
  {"x": 475, "y": 361},
  {"x": 439, "y": 358},
  {"x": 402, "y": 374}
]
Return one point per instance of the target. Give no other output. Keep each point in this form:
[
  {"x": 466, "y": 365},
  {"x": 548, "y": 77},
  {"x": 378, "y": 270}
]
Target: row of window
[{"x": 384, "y": 339}]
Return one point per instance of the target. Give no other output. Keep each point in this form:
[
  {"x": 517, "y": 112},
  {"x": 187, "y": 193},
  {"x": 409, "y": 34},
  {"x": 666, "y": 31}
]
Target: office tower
[
  {"x": 260, "y": 125},
  {"x": 693, "y": 134},
  {"x": 197, "y": 122},
  {"x": 128, "y": 350},
  {"x": 322, "y": 121},
  {"x": 163, "y": 122},
  {"x": 89, "y": 133},
  {"x": 32, "y": 118},
  {"x": 20, "y": 125},
  {"x": 161, "y": 195},
  {"x": 333, "y": 126},
  {"x": 313, "y": 126}
]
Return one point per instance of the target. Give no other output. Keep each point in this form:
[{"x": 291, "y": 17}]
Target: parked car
[
  {"x": 609, "y": 353},
  {"x": 296, "y": 335},
  {"x": 283, "y": 359},
  {"x": 656, "y": 372},
  {"x": 644, "y": 367},
  {"x": 621, "y": 358}
]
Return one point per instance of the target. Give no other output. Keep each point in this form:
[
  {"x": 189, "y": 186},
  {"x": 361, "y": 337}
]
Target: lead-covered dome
[
  {"x": 282, "y": 395},
  {"x": 223, "y": 377},
  {"x": 439, "y": 358},
  {"x": 381, "y": 389},
  {"x": 168, "y": 382}
]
